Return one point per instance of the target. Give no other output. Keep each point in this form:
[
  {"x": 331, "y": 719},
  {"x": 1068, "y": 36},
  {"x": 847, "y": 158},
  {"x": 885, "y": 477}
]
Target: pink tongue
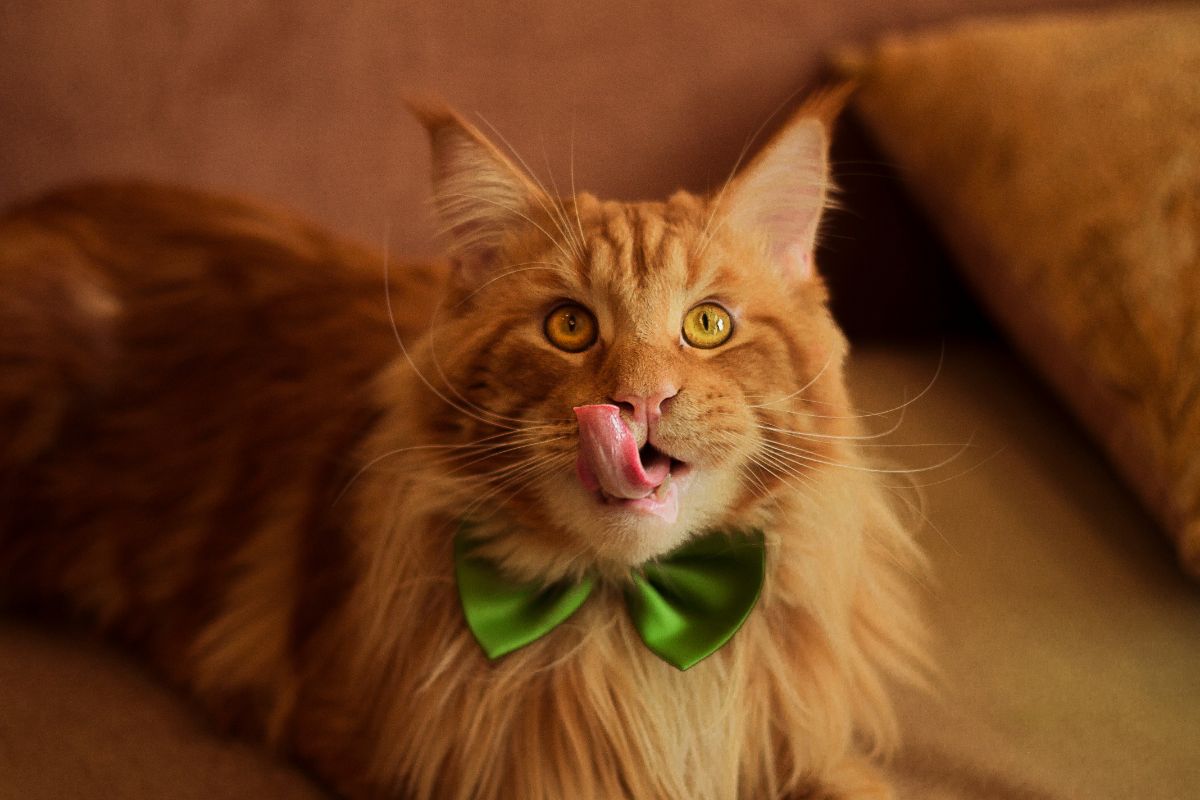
[{"x": 608, "y": 455}]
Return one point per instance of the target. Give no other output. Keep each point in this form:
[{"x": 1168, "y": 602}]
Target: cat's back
[
  {"x": 179, "y": 367},
  {"x": 137, "y": 261}
]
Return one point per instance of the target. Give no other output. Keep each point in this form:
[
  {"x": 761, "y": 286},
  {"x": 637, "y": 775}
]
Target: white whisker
[
  {"x": 924, "y": 391},
  {"x": 525, "y": 266},
  {"x": 565, "y": 224},
  {"x": 515, "y": 212},
  {"x": 815, "y": 458},
  {"x": 474, "y": 446},
  {"x": 575, "y": 195},
  {"x": 526, "y": 475},
  {"x": 476, "y": 415},
  {"x": 404, "y": 349},
  {"x": 707, "y": 232},
  {"x": 802, "y": 389},
  {"x": 506, "y": 468},
  {"x": 437, "y": 365},
  {"x": 545, "y": 195},
  {"x": 862, "y": 414},
  {"x": 837, "y": 436}
]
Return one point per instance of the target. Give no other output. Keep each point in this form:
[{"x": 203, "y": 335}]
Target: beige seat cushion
[
  {"x": 1069, "y": 640},
  {"x": 1060, "y": 158},
  {"x": 83, "y": 722}
]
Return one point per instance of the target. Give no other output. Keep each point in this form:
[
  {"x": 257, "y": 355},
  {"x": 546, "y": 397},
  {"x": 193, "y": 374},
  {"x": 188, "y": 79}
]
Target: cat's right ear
[{"x": 479, "y": 194}]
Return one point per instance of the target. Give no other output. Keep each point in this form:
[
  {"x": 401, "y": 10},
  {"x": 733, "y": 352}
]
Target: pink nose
[{"x": 645, "y": 408}]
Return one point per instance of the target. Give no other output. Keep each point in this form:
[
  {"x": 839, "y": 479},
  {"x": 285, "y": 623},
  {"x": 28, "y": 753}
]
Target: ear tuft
[
  {"x": 781, "y": 195},
  {"x": 479, "y": 194},
  {"x": 430, "y": 111}
]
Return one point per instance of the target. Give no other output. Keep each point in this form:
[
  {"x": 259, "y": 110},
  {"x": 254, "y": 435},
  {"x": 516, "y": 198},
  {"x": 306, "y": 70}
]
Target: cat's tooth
[{"x": 661, "y": 491}]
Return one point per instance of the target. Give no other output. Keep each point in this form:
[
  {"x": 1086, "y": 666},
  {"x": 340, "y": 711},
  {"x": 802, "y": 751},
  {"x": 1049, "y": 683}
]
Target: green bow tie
[{"x": 685, "y": 606}]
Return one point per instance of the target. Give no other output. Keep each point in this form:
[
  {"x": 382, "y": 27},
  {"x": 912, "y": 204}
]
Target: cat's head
[{"x": 623, "y": 375}]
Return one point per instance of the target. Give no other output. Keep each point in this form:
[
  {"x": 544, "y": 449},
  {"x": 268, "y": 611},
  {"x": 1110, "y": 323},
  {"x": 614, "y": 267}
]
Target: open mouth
[
  {"x": 663, "y": 499},
  {"x": 621, "y": 474}
]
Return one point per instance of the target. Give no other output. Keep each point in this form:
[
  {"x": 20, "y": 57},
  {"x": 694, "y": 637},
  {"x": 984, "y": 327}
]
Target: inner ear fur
[
  {"x": 479, "y": 194},
  {"x": 780, "y": 196}
]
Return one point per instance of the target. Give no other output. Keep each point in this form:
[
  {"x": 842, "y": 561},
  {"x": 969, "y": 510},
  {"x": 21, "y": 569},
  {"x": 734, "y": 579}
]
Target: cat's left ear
[{"x": 780, "y": 196}]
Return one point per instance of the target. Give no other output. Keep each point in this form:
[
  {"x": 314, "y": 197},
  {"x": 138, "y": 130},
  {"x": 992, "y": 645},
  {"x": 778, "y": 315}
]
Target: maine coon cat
[{"x": 223, "y": 443}]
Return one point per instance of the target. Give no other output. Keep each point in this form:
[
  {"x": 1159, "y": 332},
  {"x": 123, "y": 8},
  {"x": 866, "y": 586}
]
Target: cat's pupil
[
  {"x": 571, "y": 322},
  {"x": 704, "y": 320}
]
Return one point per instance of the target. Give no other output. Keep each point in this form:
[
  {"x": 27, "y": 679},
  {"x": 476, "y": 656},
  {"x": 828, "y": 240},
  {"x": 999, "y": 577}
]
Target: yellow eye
[
  {"x": 571, "y": 327},
  {"x": 707, "y": 326}
]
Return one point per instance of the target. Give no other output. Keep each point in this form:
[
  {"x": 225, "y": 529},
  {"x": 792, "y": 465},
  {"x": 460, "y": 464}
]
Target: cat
[{"x": 247, "y": 449}]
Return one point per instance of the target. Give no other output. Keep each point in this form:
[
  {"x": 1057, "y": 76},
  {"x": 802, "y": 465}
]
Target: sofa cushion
[
  {"x": 1067, "y": 637},
  {"x": 1060, "y": 158},
  {"x": 80, "y": 721}
]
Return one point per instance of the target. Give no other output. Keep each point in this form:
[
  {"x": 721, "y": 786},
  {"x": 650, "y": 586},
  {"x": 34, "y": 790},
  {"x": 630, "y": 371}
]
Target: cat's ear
[
  {"x": 780, "y": 196},
  {"x": 479, "y": 194}
]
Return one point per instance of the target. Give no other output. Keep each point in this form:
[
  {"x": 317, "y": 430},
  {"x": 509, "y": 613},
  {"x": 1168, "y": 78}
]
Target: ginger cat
[{"x": 224, "y": 443}]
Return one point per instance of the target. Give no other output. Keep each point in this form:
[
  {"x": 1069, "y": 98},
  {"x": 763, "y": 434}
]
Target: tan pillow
[{"x": 1060, "y": 158}]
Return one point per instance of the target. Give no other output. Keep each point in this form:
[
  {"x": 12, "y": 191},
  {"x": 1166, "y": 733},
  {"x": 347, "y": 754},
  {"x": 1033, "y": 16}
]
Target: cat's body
[{"x": 224, "y": 443}]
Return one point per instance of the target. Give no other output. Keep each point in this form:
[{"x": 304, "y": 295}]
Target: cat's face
[{"x": 635, "y": 364}]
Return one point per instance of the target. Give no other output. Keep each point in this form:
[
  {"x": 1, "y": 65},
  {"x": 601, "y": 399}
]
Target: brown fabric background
[{"x": 298, "y": 102}]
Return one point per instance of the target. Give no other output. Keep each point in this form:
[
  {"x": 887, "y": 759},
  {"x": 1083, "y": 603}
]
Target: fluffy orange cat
[{"x": 222, "y": 442}]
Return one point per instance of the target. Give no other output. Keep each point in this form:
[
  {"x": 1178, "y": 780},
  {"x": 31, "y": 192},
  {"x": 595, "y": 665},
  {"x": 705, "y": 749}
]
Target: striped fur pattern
[{"x": 223, "y": 442}]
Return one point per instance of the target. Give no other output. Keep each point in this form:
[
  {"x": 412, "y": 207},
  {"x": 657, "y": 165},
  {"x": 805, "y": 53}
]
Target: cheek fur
[
  {"x": 501, "y": 367},
  {"x": 771, "y": 390}
]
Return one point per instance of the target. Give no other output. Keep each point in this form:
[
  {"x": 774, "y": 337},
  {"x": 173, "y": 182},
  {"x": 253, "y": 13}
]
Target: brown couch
[{"x": 1070, "y": 640}]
